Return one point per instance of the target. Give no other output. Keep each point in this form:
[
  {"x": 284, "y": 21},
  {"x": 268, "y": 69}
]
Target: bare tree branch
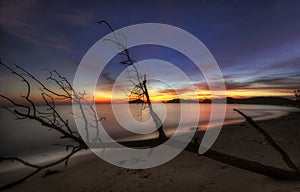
[
  {"x": 140, "y": 86},
  {"x": 51, "y": 119},
  {"x": 270, "y": 140},
  {"x": 38, "y": 168},
  {"x": 238, "y": 162}
]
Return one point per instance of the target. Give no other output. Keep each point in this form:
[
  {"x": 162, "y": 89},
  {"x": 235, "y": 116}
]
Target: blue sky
[{"x": 256, "y": 43}]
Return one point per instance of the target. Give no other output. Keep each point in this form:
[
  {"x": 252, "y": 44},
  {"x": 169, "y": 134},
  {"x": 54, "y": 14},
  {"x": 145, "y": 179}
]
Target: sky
[{"x": 255, "y": 43}]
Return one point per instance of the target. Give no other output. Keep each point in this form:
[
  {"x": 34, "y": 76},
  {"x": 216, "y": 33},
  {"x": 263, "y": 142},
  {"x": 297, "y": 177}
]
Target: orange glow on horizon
[{"x": 106, "y": 97}]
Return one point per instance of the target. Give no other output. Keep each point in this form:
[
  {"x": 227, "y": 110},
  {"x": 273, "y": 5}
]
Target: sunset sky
[{"x": 255, "y": 43}]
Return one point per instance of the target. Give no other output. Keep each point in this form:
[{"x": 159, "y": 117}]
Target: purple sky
[{"x": 256, "y": 43}]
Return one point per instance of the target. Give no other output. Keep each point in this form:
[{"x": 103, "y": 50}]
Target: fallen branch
[
  {"x": 49, "y": 117},
  {"x": 238, "y": 162},
  {"x": 38, "y": 168},
  {"x": 271, "y": 141},
  {"x": 245, "y": 164}
]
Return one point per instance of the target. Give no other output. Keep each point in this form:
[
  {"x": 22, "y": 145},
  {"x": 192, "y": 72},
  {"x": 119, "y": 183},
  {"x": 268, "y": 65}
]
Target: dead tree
[
  {"x": 141, "y": 92},
  {"x": 139, "y": 81},
  {"x": 49, "y": 118}
]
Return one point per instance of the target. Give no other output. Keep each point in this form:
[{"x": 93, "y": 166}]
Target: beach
[{"x": 187, "y": 171}]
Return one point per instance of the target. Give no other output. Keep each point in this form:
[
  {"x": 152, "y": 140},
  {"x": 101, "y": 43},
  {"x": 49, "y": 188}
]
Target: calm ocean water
[{"x": 25, "y": 137}]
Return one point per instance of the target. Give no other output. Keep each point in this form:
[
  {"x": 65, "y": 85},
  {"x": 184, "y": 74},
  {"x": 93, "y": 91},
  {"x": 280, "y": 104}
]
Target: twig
[
  {"x": 51, "y": 118},
  {"x": 37, "y": 167}
]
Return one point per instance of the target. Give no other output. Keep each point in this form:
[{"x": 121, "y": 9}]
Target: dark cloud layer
[{"x": 256, "y": 43}]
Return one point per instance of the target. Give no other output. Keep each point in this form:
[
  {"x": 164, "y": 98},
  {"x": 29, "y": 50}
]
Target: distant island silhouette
[{"x": 230, "y": 100}]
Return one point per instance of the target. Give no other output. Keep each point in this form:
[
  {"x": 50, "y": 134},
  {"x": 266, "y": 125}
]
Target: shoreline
[
  {"x": 34, "y": 139},
  {"x": 52, "y": 154},
  {"x": 89, "y": 173}
]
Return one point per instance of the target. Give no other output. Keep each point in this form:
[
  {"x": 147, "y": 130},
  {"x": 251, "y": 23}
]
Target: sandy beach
[{"x": 186, "y": 172}]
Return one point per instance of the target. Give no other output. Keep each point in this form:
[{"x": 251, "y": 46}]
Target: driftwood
[
  {"x": 271, "y": 141},
  {"x": 235, "y": 161},
  {"x": 37, "y": 168},
  {"x": 49, "y": 118},
  {"x": 241, "y": 163}
]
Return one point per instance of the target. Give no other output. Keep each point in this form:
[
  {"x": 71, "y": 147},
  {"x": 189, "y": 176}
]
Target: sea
[{"x": 27, "y": 138}]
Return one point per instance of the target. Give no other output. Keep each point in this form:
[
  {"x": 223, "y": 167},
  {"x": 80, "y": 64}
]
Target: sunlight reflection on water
[{"x": 26, "y": 137}]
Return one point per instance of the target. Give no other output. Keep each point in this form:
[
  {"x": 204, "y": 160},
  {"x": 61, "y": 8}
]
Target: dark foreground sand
[{"x": 186, "y": 172}]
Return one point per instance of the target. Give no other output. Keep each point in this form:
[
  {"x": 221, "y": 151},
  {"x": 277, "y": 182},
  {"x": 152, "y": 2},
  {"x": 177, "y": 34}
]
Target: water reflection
[{"x": 24, "y": 137}]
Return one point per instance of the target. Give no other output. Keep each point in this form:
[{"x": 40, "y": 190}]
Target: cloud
[
  {"x": 279, "y": 81},
  {"x": 292, "y": 63},
  {"x": 16, "y": 19},
  {"x": 23, "y": 20},
  {"x": 77, "y": 18}
]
